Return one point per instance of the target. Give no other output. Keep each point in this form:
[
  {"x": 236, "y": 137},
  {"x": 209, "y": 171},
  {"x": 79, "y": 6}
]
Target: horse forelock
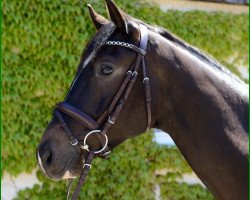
[{"x": 97, "y": 41}]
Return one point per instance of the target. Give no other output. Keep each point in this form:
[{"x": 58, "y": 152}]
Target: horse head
[{"x": 96, "y": 91}]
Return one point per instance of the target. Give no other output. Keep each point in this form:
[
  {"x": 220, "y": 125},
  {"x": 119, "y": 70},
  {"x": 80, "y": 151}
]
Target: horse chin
[
  {"x": 72, "y": 173},
  {"x": 72, "y": 169},
  {"x": 68, "y": 175}
]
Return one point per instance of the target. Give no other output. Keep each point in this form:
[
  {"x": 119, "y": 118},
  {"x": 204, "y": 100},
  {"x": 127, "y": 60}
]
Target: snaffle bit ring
[{"x": 92, "y": 132}]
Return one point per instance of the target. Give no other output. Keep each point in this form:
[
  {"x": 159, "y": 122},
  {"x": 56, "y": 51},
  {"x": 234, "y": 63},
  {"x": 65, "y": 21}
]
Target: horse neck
[{"x": 205, "y": 111}]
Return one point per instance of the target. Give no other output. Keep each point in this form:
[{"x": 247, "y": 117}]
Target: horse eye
[{"x": 106, "y": 70}]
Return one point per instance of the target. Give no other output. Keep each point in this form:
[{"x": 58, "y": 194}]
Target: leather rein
[{"x": 100, "y": 127}]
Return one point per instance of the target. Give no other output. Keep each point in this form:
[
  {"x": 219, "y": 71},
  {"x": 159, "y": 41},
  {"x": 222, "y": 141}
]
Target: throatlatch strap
[
  {"x": 147, "y": 94},
  {"x": 143, "y": 45}
]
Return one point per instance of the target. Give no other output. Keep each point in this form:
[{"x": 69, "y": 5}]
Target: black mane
[{"x": 193, "y": 50}]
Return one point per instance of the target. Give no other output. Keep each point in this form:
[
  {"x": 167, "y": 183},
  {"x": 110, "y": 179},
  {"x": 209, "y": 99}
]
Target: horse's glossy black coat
[{"x": 198, "y": 102}]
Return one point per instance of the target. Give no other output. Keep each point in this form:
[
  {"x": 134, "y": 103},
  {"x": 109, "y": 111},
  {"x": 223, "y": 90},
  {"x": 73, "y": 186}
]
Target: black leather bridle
[{"x": 108, "y": 118}]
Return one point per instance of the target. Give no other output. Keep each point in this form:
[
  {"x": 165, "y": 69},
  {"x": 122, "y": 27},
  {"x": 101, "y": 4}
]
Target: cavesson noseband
[{"x": 100, "y": 127}]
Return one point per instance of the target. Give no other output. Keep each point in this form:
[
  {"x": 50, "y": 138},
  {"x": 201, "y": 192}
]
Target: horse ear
[
  {"x": 117, "y": 16},
  {"x": 97, "y": 19}
]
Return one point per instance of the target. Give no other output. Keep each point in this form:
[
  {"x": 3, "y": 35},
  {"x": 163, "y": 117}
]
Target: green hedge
[{"x": 41, "y": 46}]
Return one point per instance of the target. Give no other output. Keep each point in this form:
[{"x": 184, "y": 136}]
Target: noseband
[{"x": 100, "y": 127}]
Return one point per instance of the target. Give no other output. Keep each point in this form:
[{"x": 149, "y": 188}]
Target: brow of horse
[{"x": 92, "y": 47}]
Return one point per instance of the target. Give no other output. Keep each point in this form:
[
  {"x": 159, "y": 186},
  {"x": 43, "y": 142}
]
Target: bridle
[
  {"x": 100, "y": 127},
  {"x": 109, "y": 116}
]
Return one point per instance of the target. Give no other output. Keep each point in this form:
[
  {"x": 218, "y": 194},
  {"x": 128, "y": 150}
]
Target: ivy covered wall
[{"x": 41, "y": 46}]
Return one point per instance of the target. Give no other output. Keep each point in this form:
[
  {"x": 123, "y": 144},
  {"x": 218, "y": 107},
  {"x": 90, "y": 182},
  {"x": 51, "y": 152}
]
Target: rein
[{"x": 100, "y": 127}]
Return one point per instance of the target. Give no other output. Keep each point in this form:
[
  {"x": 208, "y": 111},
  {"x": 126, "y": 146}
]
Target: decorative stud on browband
[{"x": 126, "y": 45}]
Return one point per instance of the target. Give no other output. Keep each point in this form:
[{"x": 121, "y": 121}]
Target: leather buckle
[
  {"x": 110, "y": 121},
  {"x": 88, "y": 165},
  {"x": 146, "y": 80},
  {"x": 73, "y": 141}
]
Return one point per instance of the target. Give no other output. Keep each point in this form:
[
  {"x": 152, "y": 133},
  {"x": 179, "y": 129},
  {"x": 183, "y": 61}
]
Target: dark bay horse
[{"x": 197, "y": 101}]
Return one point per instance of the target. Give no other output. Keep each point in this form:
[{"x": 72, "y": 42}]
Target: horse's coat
[{"x": 197, "y": 101}]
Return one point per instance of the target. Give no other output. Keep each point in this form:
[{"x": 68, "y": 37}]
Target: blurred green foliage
[{"x": 41, "y": 46}]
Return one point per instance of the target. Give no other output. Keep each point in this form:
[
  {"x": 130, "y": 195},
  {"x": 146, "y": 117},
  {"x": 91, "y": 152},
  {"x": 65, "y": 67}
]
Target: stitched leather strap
[
  {"x": 84, "y": 174},
  {"x": 143, "y": 45},
  {"x": 77, "y": 114},
  {"x": 72, "y": 139}
]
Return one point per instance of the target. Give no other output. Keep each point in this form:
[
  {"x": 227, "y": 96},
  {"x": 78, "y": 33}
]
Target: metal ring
[{"x": 96, "y": 131}]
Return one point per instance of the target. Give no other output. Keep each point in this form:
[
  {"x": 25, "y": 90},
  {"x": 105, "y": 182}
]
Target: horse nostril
[{"x": 46, "y": 154}]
